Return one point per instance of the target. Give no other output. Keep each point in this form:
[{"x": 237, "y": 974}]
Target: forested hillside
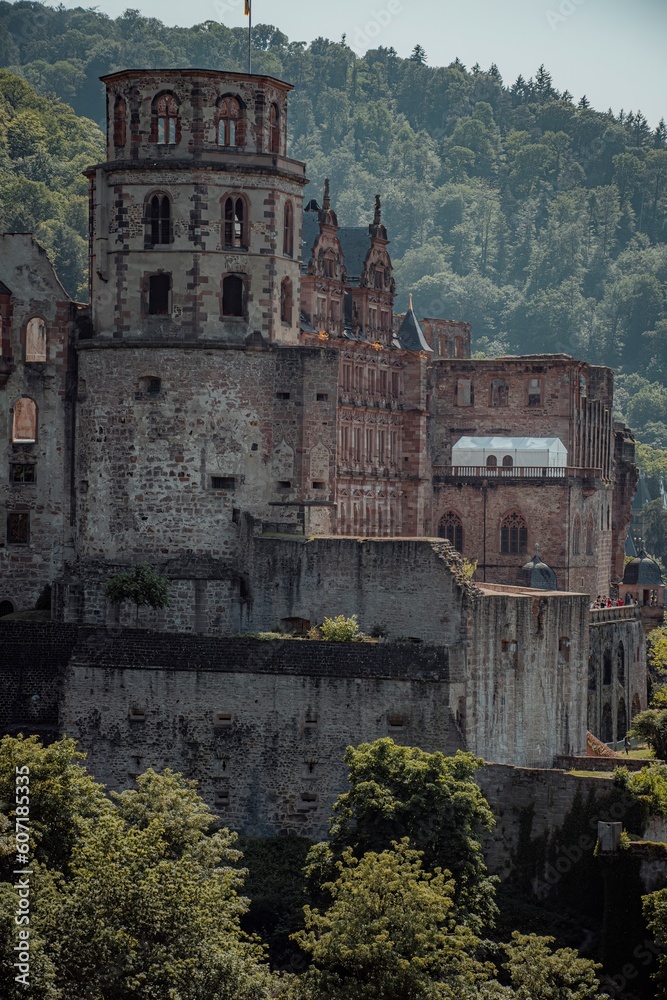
[{"x": 521, "y": 209}]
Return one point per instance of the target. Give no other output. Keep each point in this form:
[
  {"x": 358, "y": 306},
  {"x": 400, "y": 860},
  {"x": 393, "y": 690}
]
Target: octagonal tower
[{"x": 196, "y": 214}]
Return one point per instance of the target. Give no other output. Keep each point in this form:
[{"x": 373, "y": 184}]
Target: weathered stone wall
[
  {"x": 26, "y": 567},
  {"x": 147, "y": 464},
  {"x": 526, "y": 671},
  {"x": 262, "y": 726},
  {"x": 617, "y": 682},
  {"x": 33, "y": 668}
]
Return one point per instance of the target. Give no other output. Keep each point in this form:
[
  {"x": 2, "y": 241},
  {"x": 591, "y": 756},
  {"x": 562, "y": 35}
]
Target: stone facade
[
  {"x": 255, "y": 423},
  {"x": 36, "y": 415}
]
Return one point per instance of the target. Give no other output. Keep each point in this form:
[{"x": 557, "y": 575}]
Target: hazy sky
[{"x": 611, "y": 50}]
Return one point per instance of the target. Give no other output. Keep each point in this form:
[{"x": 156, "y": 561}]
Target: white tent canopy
[{"x": 526, "y": 452}]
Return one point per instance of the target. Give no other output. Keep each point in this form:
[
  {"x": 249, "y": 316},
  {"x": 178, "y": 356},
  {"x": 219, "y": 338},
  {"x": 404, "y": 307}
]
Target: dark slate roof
[
  {"x": 537, "y": 575},
  {"x": 410, "y": 336},
  {"x": 355, "y": 243},
  {"x": 3, "y": 289},
  {"x": 306, "y": 325},
  {"x": 630, "y": 547},
  {"x": 643, "y": 571}
]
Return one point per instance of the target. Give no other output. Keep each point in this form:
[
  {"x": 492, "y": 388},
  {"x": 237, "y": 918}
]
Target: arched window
[
  {"x": 590, "y": 529},
  {"x": 451, "y": 527},
  {"x": 620, "y": 663},
  {"x": 286, "y": 301},
  {"x": 165, "y": 126},
  {"x": 24, "y": 424},
  {"x": 274, "y": 129},
  {"x": 458, "y": 347},
  {"x": 607, "y": 733},
  {"x": 606, "y": 667},
  {"x": 513, "y": 535},
  {"x": 119, "y": 122},
  {"x": 6, "y": 608},
  {"x": 592, "y": 674},
  {"x": 492, "y": 462},
  {"x": 233, "y": 295},
  {"x": 288, "y": 230},
  {"x": 508, "y": 462},
  {"x": 230, "y": 129},
  {"x": 636, "y": 705},
  {"x": 158, "y": 220},
  {"x": 35, "y": 340},
  {"x": 621, "y": 720},
  {"x": 576, "y": 537},
  {"x": 235, "y": 222}
]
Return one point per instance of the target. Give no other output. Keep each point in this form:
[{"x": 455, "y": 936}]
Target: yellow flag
[{"x": 247, "y": 7}]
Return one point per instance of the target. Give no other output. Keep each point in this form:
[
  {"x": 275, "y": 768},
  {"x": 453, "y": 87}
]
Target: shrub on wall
[{"x": 341, "y": 629}]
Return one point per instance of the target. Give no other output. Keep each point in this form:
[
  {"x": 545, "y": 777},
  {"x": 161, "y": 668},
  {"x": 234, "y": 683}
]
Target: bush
[{"x": 341, "y": 629}]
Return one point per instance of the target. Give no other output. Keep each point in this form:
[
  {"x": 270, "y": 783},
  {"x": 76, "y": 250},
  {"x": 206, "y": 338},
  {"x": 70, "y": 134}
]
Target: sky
[{"x": 610, "y": 50}]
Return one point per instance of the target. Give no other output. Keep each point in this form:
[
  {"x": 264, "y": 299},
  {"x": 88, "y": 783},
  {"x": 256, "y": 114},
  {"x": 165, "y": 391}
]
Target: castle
[{"x": 240, "y": 408}]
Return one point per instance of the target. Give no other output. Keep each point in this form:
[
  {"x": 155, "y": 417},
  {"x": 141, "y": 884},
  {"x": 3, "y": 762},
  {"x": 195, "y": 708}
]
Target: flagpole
[{"x": 249, "y": 37}]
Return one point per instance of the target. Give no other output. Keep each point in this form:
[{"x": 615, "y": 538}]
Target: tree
[
  {"x": 389, "y": 932},
  {"x": 149, "y": 902},
  {"x": 418, "y": 55},
  {"x": 141, "y": 585},
  {"x": 537, "y": 973},
  {"x": 655, "y": 911},
  {"x": 651, "y": 726},
  {"x": 398, "y": 791}
]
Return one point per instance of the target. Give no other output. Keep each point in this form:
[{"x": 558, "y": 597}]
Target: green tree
[
  {"x": 651, "y": 726},
  {"x": 140, "y": 585},
  {"x": 537, "y": 973},
  {"x": 389, "y": 932},
  {"x": 397, "y": 791}
]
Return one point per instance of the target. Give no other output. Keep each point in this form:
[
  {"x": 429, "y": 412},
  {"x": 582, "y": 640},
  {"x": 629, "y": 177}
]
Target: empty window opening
[
  {"x": 282, "y": 395},
  {"x": 165, "y": 115},
  {"x": 230, "y": 131},
  {"x": 223, "y": 720},
  {"x": 235, "y": 222},
  {"x": 232, "y": 295},
  {"x": 534, "y": 392},
  {"x": 395, "y": 722},
  {"x": 322, "y": 397},
  {"x": 499, "y": 393},
  {"x": 35, "y": 340},
  {"x": 307, "y": 800},
  {"x": 18, "y": 528},
  {"x": 159, "y": 288},
  {"x": 22, "y": 473},
  {"x": 223, "y": 482},
  {"x": 158, "y": 222},
  {"x": 288, "y": 230},
  {"x": 137, "y": 714},
  {"x": 151, "y": 385},
  {"x": 606, "y": 667},
  {"x": 310, "y": 721},
  {"x": 222, "y": 798},
  {"x": 284, "y": 484},
  {"x": 6, "y": 608},
  {"x": 319, "y": 485},
  {"x": 564, "y": 648}
]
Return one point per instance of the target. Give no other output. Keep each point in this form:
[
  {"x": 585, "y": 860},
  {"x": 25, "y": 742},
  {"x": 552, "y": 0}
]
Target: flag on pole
[{"x": 247, "y": 8}]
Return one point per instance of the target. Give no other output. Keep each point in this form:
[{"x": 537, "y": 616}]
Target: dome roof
[
  {"x": 643, "y": 571},
  {"x": 537, "y": 575}
]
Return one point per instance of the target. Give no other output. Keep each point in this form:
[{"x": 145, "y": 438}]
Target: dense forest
[{"x": 519, "y": 208}]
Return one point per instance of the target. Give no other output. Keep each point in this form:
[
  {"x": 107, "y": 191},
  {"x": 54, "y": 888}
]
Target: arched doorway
[{"x": 6, "y": 608}]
